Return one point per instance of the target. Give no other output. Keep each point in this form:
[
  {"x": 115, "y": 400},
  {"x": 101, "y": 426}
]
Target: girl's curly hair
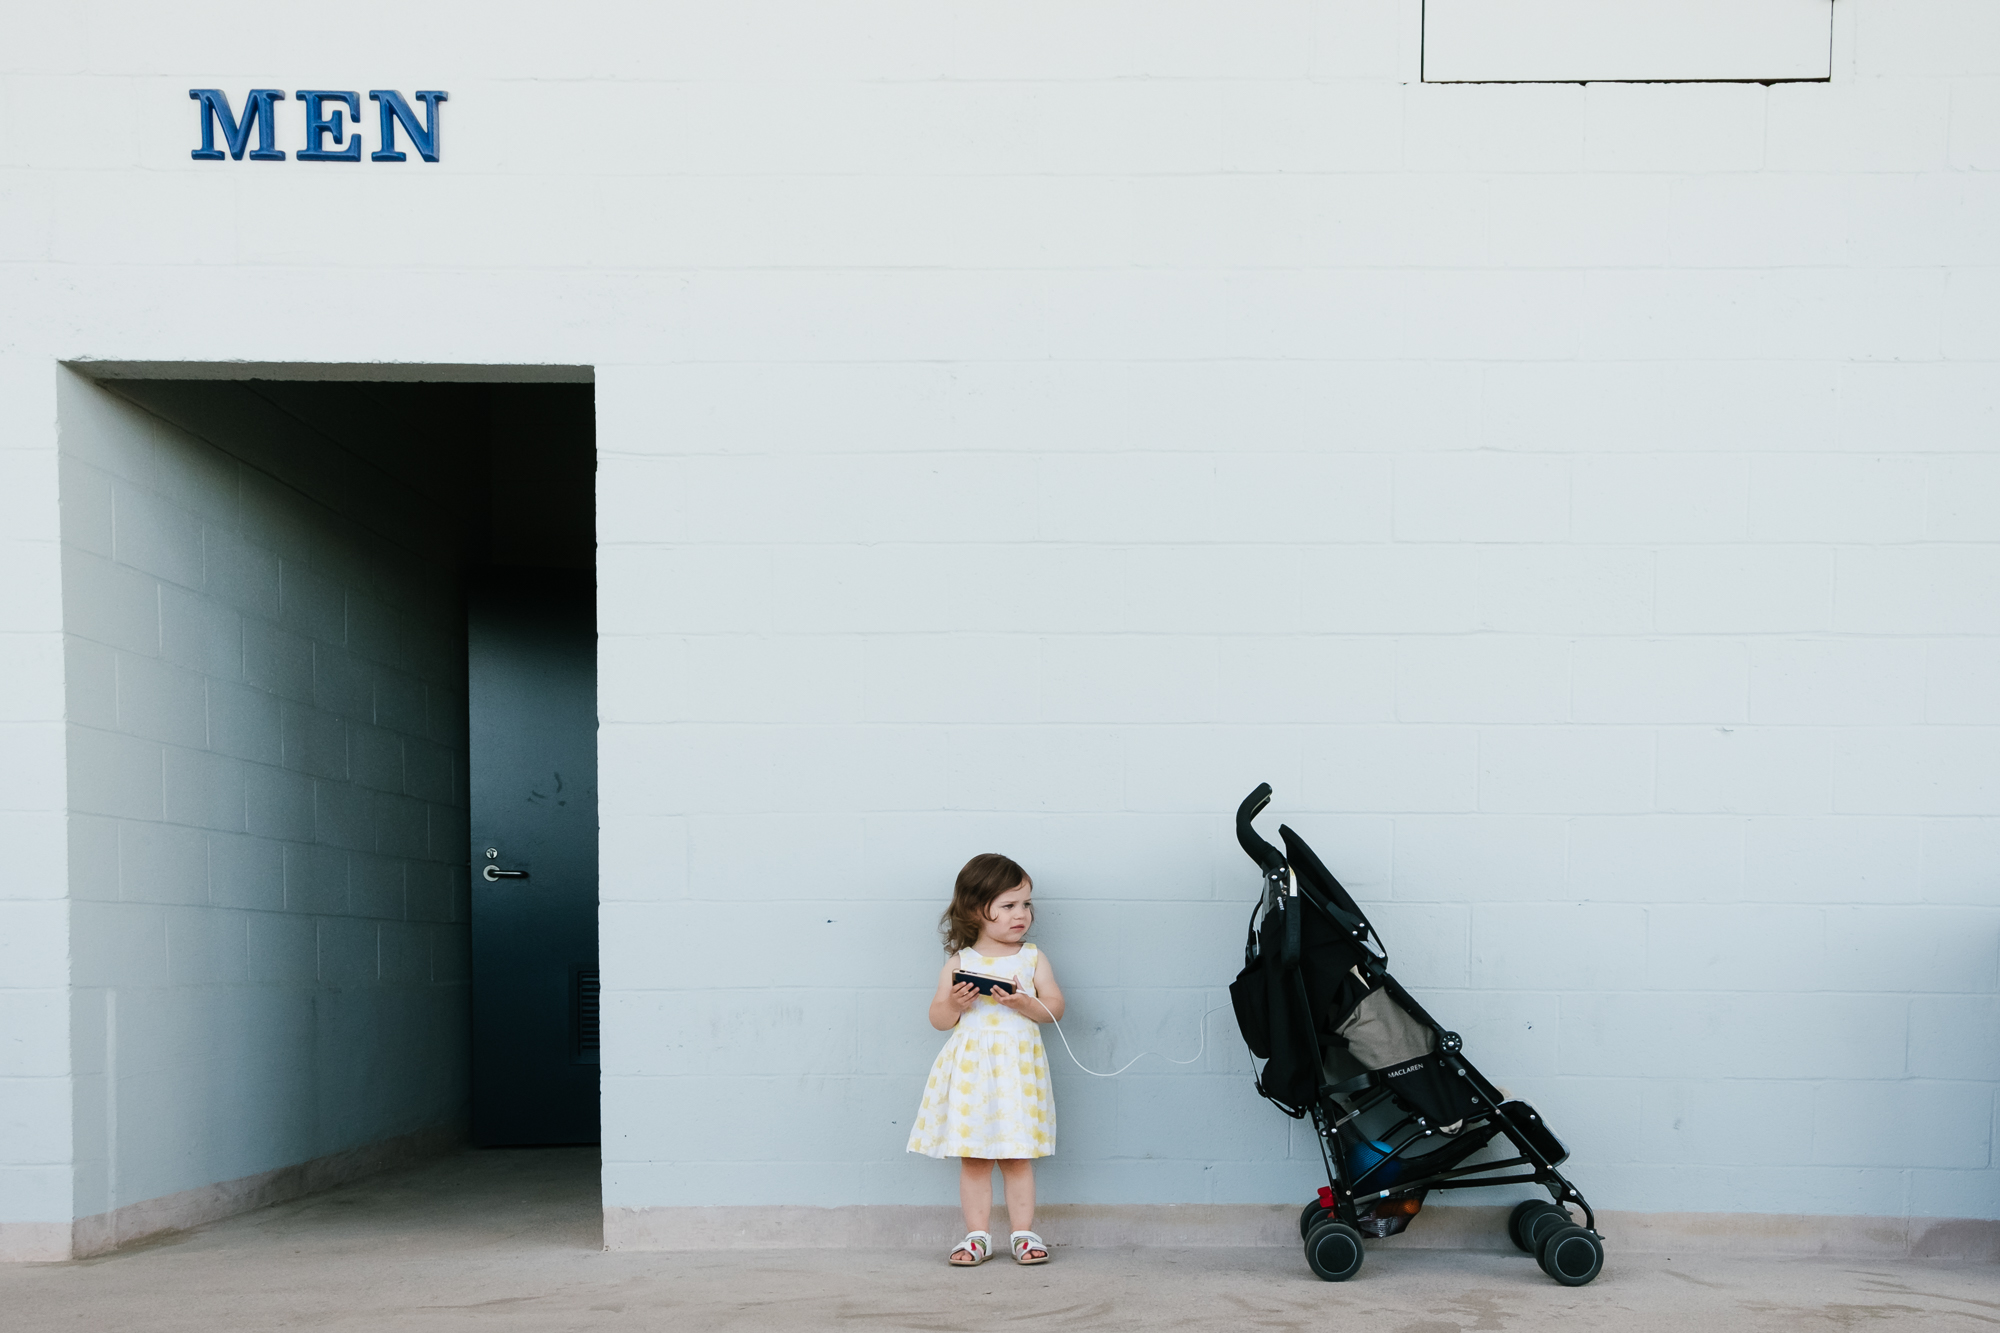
[{"x": 985, "y": 877}]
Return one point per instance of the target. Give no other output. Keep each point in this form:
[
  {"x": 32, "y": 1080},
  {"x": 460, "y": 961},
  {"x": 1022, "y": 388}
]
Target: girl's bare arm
[
  {"x": 950, "y": 1002},
  {"x": 1045, "y": 985}
]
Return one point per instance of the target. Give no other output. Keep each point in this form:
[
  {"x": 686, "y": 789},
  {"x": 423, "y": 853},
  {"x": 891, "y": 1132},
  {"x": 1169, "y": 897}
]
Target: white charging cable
[{"x": 1135, "y": 1059}]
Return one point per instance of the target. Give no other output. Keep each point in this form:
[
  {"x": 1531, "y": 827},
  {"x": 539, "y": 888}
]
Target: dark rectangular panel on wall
[{"x": 532, "y": 693}]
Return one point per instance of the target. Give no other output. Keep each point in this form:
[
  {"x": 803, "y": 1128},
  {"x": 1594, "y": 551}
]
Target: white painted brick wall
[
  {"x": 266, "y": 798},
  {"x": 1030, "y": 429},
  {"x": 36, "y": 1066}
]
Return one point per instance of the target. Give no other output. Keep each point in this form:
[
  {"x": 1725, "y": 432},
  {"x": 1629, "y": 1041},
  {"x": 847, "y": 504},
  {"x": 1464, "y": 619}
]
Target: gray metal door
[{"x": 532, "y": 691}]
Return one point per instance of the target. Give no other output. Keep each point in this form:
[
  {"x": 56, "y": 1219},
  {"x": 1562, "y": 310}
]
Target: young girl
[{"x": 988, "y": 1097}]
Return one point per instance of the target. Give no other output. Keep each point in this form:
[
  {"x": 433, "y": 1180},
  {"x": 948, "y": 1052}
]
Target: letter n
[
  {"x": 424, "y": 138},
  {"x": 257, "y": 111}
]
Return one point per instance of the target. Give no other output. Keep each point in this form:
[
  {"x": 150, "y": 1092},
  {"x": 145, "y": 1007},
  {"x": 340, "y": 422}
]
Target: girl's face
[{"x": 1009, "y": 916}]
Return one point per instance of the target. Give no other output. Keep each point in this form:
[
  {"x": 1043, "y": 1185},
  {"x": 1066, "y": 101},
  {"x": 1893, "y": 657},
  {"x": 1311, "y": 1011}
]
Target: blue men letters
[{"x": 332, "y": 125}]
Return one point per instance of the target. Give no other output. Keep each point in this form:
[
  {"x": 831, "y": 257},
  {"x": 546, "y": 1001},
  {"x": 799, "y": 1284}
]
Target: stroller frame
[{"x": 1349, "y": 1198}]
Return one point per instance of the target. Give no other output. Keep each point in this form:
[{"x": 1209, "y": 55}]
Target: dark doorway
[
  {"x": 531, "y": 689},
  {"x": 378, "y": 643}
]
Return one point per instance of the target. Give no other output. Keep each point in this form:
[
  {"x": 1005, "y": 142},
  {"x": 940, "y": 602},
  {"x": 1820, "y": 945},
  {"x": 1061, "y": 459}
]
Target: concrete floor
[{"x": 509, "y": 1240}]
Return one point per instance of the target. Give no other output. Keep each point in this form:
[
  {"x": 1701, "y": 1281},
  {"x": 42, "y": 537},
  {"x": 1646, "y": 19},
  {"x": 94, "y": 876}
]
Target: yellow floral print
[{"x": 988, "y": 1091}]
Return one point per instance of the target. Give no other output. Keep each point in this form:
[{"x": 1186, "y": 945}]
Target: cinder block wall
[
  {"x": 1028, "y": 428},
  {"x": 266, "y": 791},
  {"x": 35, "y": 1190},
  {"x": 1578, "y": 501}
]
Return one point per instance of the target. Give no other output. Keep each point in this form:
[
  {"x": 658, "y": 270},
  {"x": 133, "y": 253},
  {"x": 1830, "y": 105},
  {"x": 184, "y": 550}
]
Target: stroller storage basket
[{"x": 1397, "y": 1107}]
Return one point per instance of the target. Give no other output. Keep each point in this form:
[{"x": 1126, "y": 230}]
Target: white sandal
[
  {"x": 1024, "y": 1241},
  {"x": 978, "y": 1244}
]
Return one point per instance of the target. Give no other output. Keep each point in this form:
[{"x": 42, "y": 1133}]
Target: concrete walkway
[{"x": 506, "y": 1240}]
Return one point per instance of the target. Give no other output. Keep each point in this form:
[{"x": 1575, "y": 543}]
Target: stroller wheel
[
  {"x": 1536, "y": 1227},
  {"x": 1571, "y": 1255},
  {"x": 1517, "y": 1221},
  {"x": 1334, "y": 1251},
  {"x": 1312, "y": 1217}
]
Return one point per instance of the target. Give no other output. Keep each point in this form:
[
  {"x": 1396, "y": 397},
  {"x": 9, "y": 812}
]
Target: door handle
[{"x": 495, "y": 872}]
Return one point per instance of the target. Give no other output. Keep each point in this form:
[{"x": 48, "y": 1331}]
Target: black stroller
[{"x": 1397, "y": 1106}]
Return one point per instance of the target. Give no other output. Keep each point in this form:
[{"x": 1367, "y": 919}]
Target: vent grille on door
[{"x": 586, "y": 1014}]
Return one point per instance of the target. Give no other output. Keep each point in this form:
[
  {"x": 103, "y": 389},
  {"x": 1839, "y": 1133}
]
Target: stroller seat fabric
[{"x": 1397, "y": 1105}]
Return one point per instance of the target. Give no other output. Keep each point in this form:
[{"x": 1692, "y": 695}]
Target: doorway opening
[{"x": 329, "y": 639}]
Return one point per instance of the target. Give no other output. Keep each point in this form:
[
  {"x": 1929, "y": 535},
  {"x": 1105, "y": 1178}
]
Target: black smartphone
[{"x": 987, "y": 985}]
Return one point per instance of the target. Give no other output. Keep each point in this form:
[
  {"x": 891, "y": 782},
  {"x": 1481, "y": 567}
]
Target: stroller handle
[{"x": 1268, "y": 858}]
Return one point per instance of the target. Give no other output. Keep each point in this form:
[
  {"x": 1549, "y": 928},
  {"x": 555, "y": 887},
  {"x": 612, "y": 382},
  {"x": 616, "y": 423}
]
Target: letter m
[{"x": 257, "y": 111}]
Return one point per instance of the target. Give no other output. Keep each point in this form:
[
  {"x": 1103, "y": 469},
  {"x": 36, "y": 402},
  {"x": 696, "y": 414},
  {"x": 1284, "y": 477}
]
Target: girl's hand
[
  {"x": 1023, "y": 1003},
  {"x": 951, "y": 1001}
]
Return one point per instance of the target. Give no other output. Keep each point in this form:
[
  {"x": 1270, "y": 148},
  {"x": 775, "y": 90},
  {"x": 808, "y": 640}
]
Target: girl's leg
[
  {"x": 1017, "y": 1178},
  {"x": 975, "y": 1191}
]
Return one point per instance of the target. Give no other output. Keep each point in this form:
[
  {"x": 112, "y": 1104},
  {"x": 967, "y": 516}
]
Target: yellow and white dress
[{"x": 988, "y": 1093}]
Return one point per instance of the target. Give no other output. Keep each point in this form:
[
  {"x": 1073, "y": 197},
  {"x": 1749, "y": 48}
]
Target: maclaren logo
[{"x": 1406, "y": 1069}]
